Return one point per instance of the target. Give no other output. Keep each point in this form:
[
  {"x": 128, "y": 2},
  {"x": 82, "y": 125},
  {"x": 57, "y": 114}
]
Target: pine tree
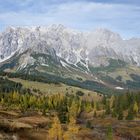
[
  {"x": 108, "y": 110},
  {"x": 63, "y": 112},
  {"x": 95, "y": 114},
  {"x": 24, "y": 102},
  {"x": 32, "y": 101},
  {"x": 2, "y": 101},
  {"x": 130, "y": 115},
  {"x": 114, "y": 114},
  {"x": 135, "y": 108},
  {"x": 112, "y": 101},
  {"x": 109, "y": 135},
  {"x": 104, "y": 100},
  {"x": 88, "y": 124},
  {"x": 120, "y": 115},
  {"x": 95, "y": 106}
]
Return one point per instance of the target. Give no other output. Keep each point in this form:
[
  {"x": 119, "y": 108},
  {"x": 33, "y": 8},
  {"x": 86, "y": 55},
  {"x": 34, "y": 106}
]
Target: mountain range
[{"x": 100, "y": 55}]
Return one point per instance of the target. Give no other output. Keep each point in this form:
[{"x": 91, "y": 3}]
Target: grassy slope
[
  {"x": 125, "y": 73},
  {"x": 117, "y": 70},
  {"x": 56, "y": 88}
]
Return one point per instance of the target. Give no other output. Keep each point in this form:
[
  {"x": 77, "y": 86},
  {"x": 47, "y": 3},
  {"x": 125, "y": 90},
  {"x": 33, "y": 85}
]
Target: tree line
[
  {"x": 67, "y": 109},
  {"x": 125, "y": 106}
]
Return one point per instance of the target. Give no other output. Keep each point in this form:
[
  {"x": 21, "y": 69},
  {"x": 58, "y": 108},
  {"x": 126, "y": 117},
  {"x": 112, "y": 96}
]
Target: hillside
[{"x": 65, "y": 53}]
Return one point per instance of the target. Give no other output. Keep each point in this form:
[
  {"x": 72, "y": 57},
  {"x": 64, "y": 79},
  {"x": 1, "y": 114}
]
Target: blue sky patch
[{"x": 122, "y": 16}]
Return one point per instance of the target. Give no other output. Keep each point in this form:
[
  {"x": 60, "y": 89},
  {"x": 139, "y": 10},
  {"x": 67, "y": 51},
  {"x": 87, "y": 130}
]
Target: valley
[{"x": 57, "y": 83}]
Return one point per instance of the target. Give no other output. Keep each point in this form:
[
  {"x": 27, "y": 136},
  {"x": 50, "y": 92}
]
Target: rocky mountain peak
[{"x": 70, "y": 45}]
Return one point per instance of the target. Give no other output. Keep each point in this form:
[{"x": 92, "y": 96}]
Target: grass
[
  {"x": 34, "y": 120},
  {"x": 125, "y": 73},
  {"x": 57, "y": 88},
  {"x": 35, "y": 127},
  {"x": 122, "y": 128},
  {"x": 8, "y": 113}
]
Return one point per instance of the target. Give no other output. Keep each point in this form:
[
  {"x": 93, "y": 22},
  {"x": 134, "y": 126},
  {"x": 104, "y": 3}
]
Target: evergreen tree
[
  {"x": 135, "y": 108},
  {"x": 63, "y": 112},
  {"x": 109, "y": 135},
  {"x": 108, "y": 110},
  {"x": 88, "y": 124},
  {"x": 130, "y": 115},
  {"x": 95, "y": 114},
  {"x": 120, "y": 115},
  {"x": 112, "y": 101},
  {"x": 32, "y": 101},
  {"x": 24, "y": 102},
  {"x": 114, "y": 114}
]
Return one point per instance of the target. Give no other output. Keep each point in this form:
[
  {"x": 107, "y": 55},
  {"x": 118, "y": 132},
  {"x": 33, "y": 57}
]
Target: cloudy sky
[{"x": 122, "y": 16}]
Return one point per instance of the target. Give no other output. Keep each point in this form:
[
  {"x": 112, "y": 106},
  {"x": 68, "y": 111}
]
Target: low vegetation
[
  {"x": 53, "y": 79},
  {"x": 69, "y": 115},
  {"x": 35, "y": 109}
]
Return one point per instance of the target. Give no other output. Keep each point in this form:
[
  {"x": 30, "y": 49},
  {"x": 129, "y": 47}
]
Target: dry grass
[
  {"x": 34, "y": 120},
  {"x": 55, "y": 89},
  {"x": 28, "y": 128},
  {"x": 125, "y": 73},
  {"x": 9, "y": 113}
]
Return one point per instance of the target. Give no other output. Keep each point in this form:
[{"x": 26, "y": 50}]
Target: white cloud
[{"x": 81, "y": 15}]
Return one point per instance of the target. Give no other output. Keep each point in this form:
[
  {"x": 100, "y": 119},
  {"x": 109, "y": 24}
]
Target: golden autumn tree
[
  {"x": 74, "y": 109},
  {"x": 15, "y": 96},
  {"x": 56, "y": 132},
  {"x": 72, "y": 130},
  {"x": 112, "y": 101}
]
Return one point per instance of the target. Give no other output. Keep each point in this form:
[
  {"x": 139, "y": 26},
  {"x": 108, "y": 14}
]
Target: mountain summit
[
  {"x": 59, "y": 50},
  {"x": 69, "y": 44}
]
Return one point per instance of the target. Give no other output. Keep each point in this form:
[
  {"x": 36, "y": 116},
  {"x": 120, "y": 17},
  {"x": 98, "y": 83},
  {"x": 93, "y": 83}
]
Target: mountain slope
[
  {"x": 67, "y": 53},
  {"x": 69, "y": 44}
]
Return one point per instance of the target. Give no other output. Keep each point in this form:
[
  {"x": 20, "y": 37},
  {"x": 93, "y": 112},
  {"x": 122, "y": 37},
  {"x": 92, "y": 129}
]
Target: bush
[{"x": 80, "y": 93}]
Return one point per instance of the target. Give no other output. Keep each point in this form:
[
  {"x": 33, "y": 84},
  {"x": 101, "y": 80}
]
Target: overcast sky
[{"x": 122, "y": 16}]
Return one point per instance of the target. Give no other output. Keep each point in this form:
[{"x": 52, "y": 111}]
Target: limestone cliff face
[{"x": 94, "y": 48}]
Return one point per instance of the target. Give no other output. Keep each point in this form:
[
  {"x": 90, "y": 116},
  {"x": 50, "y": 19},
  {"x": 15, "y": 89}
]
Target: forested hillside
[{"x": 72, "y": 117}]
